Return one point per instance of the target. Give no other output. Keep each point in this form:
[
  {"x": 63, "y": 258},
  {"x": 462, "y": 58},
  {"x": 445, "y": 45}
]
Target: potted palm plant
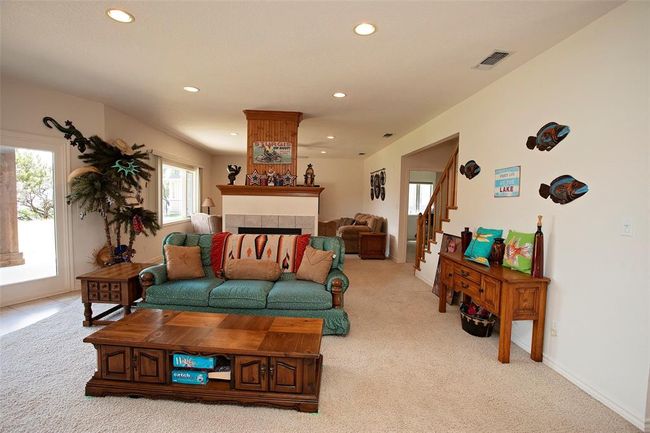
[{"x": 110, "y": 184}]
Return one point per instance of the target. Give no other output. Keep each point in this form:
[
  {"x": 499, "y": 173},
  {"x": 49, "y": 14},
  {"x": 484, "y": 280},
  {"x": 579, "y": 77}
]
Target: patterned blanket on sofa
[{"x": 287, "y": 250}]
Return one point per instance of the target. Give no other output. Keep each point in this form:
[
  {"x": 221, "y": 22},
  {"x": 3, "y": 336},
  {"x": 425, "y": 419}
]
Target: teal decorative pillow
[
  {"x": 519, "y": 251},
  {"x": 481, "y": 245}
]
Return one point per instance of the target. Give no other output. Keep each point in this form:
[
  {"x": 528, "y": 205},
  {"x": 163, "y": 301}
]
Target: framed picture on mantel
[{"x": 272, "y": 152}]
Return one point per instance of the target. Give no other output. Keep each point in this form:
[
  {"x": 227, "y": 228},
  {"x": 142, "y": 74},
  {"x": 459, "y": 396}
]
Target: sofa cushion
[
  {"x": 183, "y": 292},
  {"x": 299, "y": 295},
  {"x": 240, "y": 294},
  {"x": 315, "y": 265},
  {"x": 183, "y": 263},
  {"x": 249, "y": 269},
  {"x": 333, "y": 244}
]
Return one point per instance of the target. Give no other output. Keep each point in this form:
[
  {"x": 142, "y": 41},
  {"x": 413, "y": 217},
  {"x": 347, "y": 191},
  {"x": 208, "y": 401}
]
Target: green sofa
[{"x": 285, "y": 297}]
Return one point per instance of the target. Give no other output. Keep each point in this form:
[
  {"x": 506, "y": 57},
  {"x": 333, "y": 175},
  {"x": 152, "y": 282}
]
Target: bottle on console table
[
  {"x": 538, "y": 251},
  {"x": 465, "y": 239}
]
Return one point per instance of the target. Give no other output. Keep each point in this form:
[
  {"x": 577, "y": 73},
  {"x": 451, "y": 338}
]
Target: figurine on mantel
[
  {"x": 271, "y": 178},
  {"x": 233, "y": 171},
  {"x": 309, "y": 176}
]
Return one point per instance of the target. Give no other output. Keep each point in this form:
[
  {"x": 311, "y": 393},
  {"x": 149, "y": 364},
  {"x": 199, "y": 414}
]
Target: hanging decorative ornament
[
  {"x": 137, "y": 224},
  {"x": 124, "y": 148},
  {"x": 129, "y": 168},
  {"x": 81, "y": 171}
]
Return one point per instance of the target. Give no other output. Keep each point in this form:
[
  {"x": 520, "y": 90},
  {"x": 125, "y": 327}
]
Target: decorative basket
[{"x": 477, "y": 326}]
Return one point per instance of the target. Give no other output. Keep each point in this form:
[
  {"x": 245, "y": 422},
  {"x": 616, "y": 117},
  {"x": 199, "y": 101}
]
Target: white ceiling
[{"x": 281, "y": 55}]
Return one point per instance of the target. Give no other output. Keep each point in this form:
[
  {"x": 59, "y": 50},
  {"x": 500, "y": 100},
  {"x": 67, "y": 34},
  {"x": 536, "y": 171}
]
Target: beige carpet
[{"x": 403, "y": 368}]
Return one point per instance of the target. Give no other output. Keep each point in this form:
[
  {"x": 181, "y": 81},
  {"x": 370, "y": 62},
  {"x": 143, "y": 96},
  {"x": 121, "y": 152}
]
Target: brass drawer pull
[
  {"x": 464, "y": 285},
  {"x": 464, "y": 274}
]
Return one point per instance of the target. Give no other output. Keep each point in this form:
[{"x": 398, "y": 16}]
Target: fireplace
[
  {"x": 269, "y": 231},
  {"x": 270, "y": 207}
]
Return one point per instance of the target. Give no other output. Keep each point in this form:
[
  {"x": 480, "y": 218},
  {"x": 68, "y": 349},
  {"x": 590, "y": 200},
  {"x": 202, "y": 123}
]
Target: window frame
[
  {"x": 417, "y": 196},
  {"x": 196, "y": 185}
]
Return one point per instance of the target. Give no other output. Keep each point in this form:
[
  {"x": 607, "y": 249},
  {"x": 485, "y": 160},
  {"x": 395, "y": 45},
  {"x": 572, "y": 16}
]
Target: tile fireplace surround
[
  {"x": 270, "y": 207},
  {"x": 303, "y": 222}
]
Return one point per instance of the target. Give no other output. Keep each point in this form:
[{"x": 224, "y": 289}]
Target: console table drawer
[
  {"x": 468, "y": 287},
  {"x": 470, "y": 274}
]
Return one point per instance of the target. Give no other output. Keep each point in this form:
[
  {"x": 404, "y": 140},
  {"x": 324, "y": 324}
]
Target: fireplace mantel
[{"x": 286, "y": 191}]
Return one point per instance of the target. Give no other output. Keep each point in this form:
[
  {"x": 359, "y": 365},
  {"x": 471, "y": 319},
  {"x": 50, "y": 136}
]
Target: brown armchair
[{"x": 349, "y": 229}]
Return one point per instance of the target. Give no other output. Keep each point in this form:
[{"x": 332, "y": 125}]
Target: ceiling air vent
[
  {"x": 388, "y": 135},
  {"x": 492, "y": 59}
]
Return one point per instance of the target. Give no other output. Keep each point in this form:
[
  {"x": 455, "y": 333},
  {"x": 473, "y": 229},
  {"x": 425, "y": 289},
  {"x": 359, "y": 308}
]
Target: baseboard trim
[
  {"x": 636, "y": 421},
  {"x": 420, "y": 277}
]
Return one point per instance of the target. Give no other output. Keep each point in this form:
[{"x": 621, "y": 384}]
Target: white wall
[
  {"x": 343, "y": 179},
  {"x": 24, "y": 104},
  {"x": 596, "y": 81}
]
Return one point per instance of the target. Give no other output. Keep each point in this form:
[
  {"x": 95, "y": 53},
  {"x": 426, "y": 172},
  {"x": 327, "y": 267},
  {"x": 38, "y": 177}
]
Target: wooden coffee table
[
  {"x": 275, "y": 361},
  {"x": 116, "y": 284}
]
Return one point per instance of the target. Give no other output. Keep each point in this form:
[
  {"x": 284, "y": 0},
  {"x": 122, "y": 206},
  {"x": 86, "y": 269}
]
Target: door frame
[{"x": 26, "y": 291}]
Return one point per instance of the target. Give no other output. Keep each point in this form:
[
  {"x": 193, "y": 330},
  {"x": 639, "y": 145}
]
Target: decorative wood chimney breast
[{"x": 272, "y": 126}]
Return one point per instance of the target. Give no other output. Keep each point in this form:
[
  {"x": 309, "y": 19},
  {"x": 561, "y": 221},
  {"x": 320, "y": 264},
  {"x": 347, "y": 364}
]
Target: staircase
[{"x": 437, "y": 210}]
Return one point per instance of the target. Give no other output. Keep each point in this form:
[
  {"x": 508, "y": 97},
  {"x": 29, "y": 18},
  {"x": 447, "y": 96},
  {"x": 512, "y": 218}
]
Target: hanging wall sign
[
  {"x": 507, "y": 181},
  {"x": 272, "y": 152}
]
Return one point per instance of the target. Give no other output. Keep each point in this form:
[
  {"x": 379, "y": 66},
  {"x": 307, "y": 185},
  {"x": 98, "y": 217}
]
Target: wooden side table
[
  {"x": 117, "y": 284},
  {"x": 372, "y": 245}
]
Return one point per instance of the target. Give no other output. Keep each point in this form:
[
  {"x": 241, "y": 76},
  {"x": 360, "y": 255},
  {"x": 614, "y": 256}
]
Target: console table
[{"x": 511, "y": 295}]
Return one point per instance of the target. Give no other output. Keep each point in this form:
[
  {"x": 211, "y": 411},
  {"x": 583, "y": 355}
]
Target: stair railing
[{"x": 437, "y": 210}]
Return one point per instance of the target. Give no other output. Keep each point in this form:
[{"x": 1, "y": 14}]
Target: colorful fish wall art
[
  {"x": 563, "y": 189},
  {"x": 548, "y": 136},
  {"x": 470, "y": 169}
]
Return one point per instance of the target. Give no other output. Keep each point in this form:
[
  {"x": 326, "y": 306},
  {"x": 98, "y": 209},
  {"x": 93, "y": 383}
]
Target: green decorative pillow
[
  {"x": 519, "y": 251},
  {"x": 481, "y": 244}
]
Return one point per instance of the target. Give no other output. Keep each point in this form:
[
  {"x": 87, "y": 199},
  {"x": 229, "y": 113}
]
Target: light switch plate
[{"x": 626, "y": 226}]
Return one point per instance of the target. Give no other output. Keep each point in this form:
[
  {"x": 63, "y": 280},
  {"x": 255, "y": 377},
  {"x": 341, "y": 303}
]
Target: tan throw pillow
[
  {"x": 183, "y": 263},
  {"x": 315, "y": 265},
  {"x": 251, "y": 269}
]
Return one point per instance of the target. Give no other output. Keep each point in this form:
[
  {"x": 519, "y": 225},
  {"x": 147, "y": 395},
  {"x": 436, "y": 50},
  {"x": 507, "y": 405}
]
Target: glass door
[{"x": 33, "y": 230}]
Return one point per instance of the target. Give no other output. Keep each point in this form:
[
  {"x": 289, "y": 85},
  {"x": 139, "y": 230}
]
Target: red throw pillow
[
  {"x": 301, "y": 245},
  {"x": 217, "y": 252}
]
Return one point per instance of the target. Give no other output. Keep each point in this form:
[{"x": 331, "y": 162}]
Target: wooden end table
[
  {"x": 275, "y": 361},
  {"x": 372, "y": 245},
  {"x": 117, "y": 284}
]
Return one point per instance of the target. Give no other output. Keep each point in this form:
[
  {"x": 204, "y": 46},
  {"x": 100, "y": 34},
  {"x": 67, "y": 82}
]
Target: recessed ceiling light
[
  {"x": 365, "y": 29},
  {"x": 191, "y": 89},
  {"x": 339, "y": 95},
  {"x": 330, "y": 137},
  {"x": 120, "y": 16},
  {"x": 234, "y": 133},
  {"x": 323, "y": 151}
]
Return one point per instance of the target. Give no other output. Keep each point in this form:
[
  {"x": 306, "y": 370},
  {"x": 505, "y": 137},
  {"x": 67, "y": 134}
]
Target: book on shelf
[
  {"x": 193, "y": 361},
  {"x": 189, "y": 377}
]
